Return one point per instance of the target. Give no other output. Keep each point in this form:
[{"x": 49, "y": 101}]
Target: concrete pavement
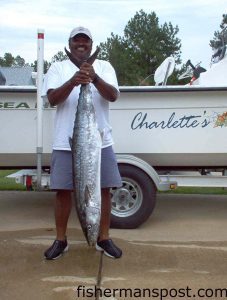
[{"x": 179, "y": 253}]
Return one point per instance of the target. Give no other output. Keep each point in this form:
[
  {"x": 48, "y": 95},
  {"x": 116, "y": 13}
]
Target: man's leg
[
  {"x": 105, "y": 214},
  {"x": 105, "y": 243},
  {"x": 63, "y": 205}
]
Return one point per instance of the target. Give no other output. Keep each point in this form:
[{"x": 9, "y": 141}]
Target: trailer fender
[{"x": 161, "y": 185}]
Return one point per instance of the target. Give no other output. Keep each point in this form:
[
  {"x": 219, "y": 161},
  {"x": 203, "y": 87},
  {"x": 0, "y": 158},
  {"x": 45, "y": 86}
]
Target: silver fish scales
[
  {"x": 86, "y": 157},
  {"x": 86, "y": 153}
]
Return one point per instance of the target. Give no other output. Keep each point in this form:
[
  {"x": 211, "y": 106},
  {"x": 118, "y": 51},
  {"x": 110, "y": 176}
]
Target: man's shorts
[{"x": 61, "y": 170}]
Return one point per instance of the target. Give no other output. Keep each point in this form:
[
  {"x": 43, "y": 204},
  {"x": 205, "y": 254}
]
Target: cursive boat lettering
[{"x": 141, "y": 121}]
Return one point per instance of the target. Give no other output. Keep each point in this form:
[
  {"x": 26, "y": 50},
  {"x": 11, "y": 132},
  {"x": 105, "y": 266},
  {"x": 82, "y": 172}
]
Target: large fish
[{"x": 86, "y": 154}]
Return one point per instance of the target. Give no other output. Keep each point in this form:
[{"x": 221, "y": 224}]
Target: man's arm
[
  {"x": 60, "y": 94},
  {"x": 84, "y": 76},
  {"x": 106, "y": 90}
]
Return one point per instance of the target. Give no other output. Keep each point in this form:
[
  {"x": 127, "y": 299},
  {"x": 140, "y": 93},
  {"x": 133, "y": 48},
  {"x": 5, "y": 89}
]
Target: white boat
[
  {"x": 167, "y": 126},
  {"x": 158, "y": 130}
]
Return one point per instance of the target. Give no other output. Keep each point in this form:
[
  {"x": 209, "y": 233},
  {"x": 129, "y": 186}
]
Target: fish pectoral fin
[
  {"x": 87, "y": 195},
  {"x": 71, "y": 143},
  {"x": 101, "y": 132}
]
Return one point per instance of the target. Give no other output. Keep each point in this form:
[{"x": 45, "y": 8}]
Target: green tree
[
  {"x": 142, "y": 49},
  {"x": 7, "y": 60},
  {"x": 220, "y": 37},
  {"x": 46, "y": 65},
  {"x": 114, "y": 50},
  {"x": 60, "y": 56},
  {"x": 10, "y": 61},
  {"x": 19, "y": 61}
]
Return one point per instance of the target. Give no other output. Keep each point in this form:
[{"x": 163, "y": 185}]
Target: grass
[
  {"x": 198, "y": 190},
  {"x": 9, "y": 184}
]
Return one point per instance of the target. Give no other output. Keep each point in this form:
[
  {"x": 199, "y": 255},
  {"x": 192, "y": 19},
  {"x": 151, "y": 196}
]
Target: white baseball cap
[{"x": 80, "y": 30}]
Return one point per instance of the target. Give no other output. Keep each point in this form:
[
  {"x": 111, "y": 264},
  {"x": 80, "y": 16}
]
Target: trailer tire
[{"x": 133, "y": 203}]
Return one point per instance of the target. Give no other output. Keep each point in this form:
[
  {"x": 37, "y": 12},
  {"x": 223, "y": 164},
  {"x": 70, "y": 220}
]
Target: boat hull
[{"x": 166, "y": 126}]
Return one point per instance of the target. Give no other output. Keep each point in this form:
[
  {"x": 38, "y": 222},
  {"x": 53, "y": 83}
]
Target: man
[{"x": 62, "y": 87}]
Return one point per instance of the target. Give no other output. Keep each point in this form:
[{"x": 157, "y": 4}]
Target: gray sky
[{"x": 20, "y": 19}]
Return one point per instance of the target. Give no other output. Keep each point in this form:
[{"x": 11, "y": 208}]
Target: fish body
[{"x": 86, "y": 156}]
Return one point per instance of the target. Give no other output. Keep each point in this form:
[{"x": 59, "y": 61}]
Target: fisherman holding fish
[{"x": 62, "y": 87}]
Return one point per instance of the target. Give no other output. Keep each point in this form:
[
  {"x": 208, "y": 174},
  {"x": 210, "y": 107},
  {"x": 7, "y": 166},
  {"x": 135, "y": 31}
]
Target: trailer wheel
[{"x": 134, "y": 202}]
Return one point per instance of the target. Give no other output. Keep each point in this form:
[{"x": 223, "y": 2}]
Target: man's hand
[
  {"x": 88, "y": 70},
  {"x": 85, "y": 75}
]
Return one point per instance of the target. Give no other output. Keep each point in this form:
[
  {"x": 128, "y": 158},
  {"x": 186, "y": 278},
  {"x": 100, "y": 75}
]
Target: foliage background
[{"x": 138, "y": 53}]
